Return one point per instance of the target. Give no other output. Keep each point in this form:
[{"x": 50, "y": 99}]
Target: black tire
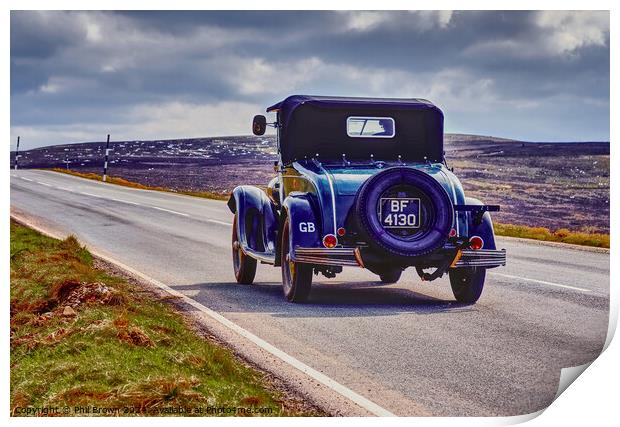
[
  {"x": 436, "y": 212},
  {"x": 390, "y": 276},
  {"x": 243, "y": 265},
  {"x": 467, "y": 283},
  {"x": 296, "y": 277}
]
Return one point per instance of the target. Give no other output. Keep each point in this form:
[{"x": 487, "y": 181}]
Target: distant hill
[
  {"x": 555, "y": 185},
  {"x": 252, "y": 148}
]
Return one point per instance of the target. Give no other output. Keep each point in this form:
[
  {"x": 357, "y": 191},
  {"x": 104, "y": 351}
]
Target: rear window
[{"x": 370, "y": 127}]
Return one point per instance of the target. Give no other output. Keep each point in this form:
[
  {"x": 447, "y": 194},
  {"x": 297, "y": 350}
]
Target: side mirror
[{"x": 259, "y": 124}]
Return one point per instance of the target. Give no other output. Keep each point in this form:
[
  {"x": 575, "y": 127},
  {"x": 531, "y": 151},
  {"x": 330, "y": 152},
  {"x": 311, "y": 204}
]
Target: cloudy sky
[{"x": 75, "y": 76}]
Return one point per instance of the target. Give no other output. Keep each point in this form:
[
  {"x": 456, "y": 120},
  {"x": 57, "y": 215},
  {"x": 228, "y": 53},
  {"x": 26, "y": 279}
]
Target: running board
[{"x": 264, "y": 257}]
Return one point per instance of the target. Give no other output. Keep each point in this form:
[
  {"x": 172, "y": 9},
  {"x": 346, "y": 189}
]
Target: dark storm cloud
[{"x": 529, "y": 75}]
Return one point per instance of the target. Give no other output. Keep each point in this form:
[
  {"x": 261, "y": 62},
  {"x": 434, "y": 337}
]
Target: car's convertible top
[{"x": 318, "y": 125}]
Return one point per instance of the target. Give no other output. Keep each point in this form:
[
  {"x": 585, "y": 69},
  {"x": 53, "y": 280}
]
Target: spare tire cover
[{"x": 425, "y": 226}]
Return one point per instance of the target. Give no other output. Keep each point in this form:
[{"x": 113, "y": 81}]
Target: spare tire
[{"x": 421, "y": 227}]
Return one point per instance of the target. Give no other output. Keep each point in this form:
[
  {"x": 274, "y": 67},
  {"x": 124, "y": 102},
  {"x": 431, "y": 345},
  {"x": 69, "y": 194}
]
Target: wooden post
[
  {"x": 17, "y": 154},
  {"x": 105, "y": 164}
]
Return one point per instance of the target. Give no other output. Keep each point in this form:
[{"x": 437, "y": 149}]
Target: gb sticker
[{"x": 306, "y": 227}]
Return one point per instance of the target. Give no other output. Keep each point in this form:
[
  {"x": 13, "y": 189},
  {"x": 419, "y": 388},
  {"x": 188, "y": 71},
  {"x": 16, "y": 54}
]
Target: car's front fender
[{"x": 257, "y": 222}]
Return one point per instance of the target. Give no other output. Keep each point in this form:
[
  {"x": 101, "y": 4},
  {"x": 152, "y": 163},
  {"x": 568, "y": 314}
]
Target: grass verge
[
  {"x": 563, "y": 235},
  {"x": 126, "y": 183},
  {"x": 81, "y": 337}
]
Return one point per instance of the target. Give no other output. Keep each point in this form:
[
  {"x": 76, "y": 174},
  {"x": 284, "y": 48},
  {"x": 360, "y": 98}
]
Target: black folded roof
[{"x": 317, "y": 124}]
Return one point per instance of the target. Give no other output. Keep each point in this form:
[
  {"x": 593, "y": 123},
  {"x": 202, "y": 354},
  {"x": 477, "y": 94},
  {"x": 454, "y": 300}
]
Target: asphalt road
[{"x": 408, "y": 347}]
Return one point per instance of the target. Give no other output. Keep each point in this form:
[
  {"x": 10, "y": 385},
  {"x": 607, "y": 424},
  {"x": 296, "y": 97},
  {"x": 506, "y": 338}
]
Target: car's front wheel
[
  {"x": 296, "y": 277},
  {"x": 243, "y": 265},
  {"x": 467, "y": 283}
]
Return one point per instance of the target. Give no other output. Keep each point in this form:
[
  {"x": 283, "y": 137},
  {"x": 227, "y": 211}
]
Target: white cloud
[
  {"x": 560, "y": 33},
  {"x": 429, "y": 19},
  {"x": 49, "y": 88},
  {"x": 365, "y": 20},
  {"x": 180, "y": 119},
  {"x": 422, "y": 20},
  {"x": 256, "y": 76},
  {"x": 568, "y": 31}
]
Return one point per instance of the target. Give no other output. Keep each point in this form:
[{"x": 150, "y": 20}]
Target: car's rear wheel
[
  {"x": 390, "y": 276},
  {"x": 243, "y": 265},
  {"x": 467, "y": 283},
  {"x": 296, "y": 277}
]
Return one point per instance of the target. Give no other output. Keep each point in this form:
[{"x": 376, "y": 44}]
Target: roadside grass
[
  {"x": 126, "y": 183},
  {"x": 81, "y": 337},
  {"x": 563, "y": 235}
]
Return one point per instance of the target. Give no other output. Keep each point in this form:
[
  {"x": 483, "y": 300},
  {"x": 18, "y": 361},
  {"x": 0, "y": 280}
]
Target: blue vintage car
[{"x": 361, "y": 182}]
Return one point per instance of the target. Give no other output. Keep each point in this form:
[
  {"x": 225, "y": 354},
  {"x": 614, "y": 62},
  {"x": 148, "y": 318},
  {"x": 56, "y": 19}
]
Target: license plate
[{"x": 399, "y": 212}]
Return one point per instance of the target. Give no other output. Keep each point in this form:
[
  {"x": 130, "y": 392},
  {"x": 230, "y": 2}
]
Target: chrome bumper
[
  {"x": 333, "y": 256},
  {"x": 351, "y": 257},
  {"x": 481, "y": 258}
]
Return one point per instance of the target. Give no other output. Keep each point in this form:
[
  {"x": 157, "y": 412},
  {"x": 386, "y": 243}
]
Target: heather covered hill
[{"x": 555, "y": 185}]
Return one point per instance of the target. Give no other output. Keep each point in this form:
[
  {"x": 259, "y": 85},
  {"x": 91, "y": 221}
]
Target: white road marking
[
  {"x": 25, "y": 179},
  {"x": 543, "y": 282},
  {"x": 167, "y": 210},
  {"x": 91, "y": 195},
  {"x": 125, "y": 201},
  {"x": 285, "y": 357},
  {"x": 218, "y": 222},
  {"x": 131, "y": 203}
]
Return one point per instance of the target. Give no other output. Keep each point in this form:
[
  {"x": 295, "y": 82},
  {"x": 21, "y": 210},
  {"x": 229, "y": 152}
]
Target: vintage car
[{"x": 361, "y": 182}]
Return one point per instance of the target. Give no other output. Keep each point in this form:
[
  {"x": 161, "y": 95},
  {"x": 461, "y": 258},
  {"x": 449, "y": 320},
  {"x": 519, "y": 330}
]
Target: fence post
[
  {"x": 105, "y": 164},
  {"x": 17, "y": 154}
]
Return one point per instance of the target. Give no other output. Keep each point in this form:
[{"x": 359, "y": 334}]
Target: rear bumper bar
[
  {"x": 482, "y": 258},
  {"x": 351, "y": 257},
  {"x": 333, "y": 256}
]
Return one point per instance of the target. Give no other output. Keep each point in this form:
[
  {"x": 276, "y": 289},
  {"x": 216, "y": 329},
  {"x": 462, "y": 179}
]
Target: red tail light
[
  {"x": 330, "y": 241},
  {"x": 341, "y": 231},
  {"x": 476, "y": 243},
  {"x": 452, "y": 233}
]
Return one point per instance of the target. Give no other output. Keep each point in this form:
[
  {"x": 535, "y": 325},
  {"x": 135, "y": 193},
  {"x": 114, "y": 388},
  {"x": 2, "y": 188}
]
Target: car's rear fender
[
  {"x": 482, "y": 228},
  {"x": 257, "y": 221}
]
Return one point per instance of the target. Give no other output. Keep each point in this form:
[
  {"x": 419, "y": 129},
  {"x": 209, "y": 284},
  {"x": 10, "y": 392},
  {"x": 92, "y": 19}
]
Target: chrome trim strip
[
  {"x": 456, "y": 213},
  {"x": 331, "y": 189}
]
